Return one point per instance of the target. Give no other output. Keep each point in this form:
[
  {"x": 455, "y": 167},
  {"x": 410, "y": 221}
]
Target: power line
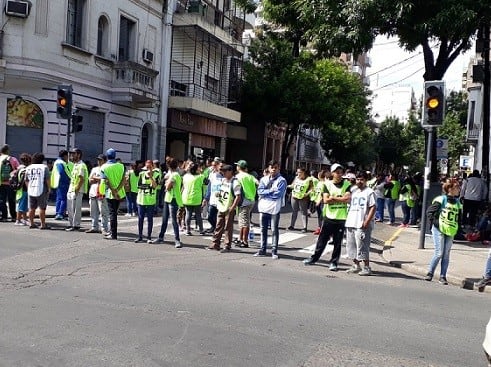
[
  {"x": 400, "y": 80},
  {"x": 396, "y": 64}
]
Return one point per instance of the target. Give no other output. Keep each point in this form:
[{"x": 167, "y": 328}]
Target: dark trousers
[
  {"x": 470, "y": 211},
  {"x": 334, "y": 229},
  {"x": 7, "y": 196},
  {"x": 225, "y": 225},
  {"x": 113, "y": 205},
  {"x": 145, "y": 211},
  {"x": 61, "y": 200},
  {"x": 212, "y": 216}
]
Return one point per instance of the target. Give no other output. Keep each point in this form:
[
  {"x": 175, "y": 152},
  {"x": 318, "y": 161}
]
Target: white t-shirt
[
  {"x": 361, "y": 202},
  {"x": 94, "y": 188},
  {"x": 36, "y": 174}
]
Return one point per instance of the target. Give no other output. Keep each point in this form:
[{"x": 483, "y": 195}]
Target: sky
[{"x": 391, "y": 64}]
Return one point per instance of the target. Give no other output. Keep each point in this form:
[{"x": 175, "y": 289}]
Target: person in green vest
[
  {"x": 132, "y": 188},
  {"x": 408, "y": 196},
  {"x": 392, "y": 188},
  {"x": 336, "y": 196},
  {"x": 228, "y": 199},
  {"x": 249, "y": 187},
  {"x": 113, "y": 175},
  {"x": 60, "y": 181},
  {"x": 316, "y": 196},
  {"x": 445, "y": 214},
  {"x": 192, "y": 197},
  {"x": 79, "y": 184},
  {"x": 148, "y": 180},
  {"x": 172, "y": 201},
  {"x": 301, "y": 187}
]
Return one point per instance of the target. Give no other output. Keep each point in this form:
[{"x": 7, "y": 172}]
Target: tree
[{"x": 290, "y": 91}]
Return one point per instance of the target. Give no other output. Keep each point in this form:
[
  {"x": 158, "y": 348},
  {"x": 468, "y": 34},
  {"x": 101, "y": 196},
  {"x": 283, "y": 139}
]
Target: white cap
[{"x": 336, "y": 166}]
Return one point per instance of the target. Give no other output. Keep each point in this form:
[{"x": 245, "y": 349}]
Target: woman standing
[
  {"x": 408, "y": 196},
  {"x": 192, "y": 196},
  {"x": 146, "y": 199},
  {"x": 445, "y": 214},
  {"x": 301, "y": 186}
]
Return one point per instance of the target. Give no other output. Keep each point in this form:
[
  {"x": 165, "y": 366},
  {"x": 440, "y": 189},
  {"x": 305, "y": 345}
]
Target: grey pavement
[{"x": 399, "y": 247}]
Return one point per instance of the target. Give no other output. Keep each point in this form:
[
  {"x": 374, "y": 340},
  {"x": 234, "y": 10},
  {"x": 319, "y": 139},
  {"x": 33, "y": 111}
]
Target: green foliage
[{"x": 249, "y": 6}]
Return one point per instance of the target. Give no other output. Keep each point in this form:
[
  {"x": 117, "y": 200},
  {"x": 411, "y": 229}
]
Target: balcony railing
[
  {"x": 473, "y": 135},
  {"x": 129, "y": 74}
]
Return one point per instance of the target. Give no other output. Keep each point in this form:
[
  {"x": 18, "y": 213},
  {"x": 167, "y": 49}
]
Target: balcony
[
  {"x": 473, "y": 135},
  {"x": 134, "y": 84}
]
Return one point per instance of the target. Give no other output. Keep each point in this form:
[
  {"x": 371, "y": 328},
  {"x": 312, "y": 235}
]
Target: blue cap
[{"x": 111, "y": 153}]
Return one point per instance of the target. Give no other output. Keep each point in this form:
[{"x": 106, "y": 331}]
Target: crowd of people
[{"x": 347, "y": 204}]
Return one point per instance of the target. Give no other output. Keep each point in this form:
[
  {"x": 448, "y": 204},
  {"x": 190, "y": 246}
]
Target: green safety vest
[
  {"x": 133, "y": 181},
  {"x": 192, "y": 189},
  {"x": 407, "y": 197},
  {"x": 79, "y": 169},
  {"x": 114, "y": 173},
  {"x": 226, "y": 195},
  {"x": 175, "y": 191},
  {"x": 159, "y": 184},
  {"x": 314, "y": 194},
  {"x": 248, "y": 183},
  {"x": 319, "y": 188},
  {"x": 338, "y": 211},
  {"x": 55, "y": 175},
  {"x": 147, "y": 195},
  {"x": 300, "y": 187},
  {"x": 448, "y": 220},
  {"x": 394, "y": 191}
]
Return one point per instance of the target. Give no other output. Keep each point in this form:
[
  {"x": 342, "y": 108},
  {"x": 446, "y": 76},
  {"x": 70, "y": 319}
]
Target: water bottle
[{"x": 251, "y": 236}]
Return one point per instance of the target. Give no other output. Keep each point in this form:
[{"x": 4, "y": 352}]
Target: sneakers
[
  {"x": 402, "y": 225},
  {"x": 72, "y": 229},
  {"x": 366, "y": 271},
  {"x": 333, "y": 267},
  {"x": 58, "y": 217},
  {"x": 178, "y": 244},
  {"x": 92, "y": 230},
  {"x": 317, "y": 231},
  {"x": 226, "y": 249},
  {"x": 428, "y": 277},
  {"x": 483, "y": 282},
  {"x": 138, "y": 240},
  {"x": 309, "y": 261},
  {"x": 157, "y": 240},
  {"x": 128, "y": 215},
  {"x": 188, "y": 233},
  {"x": 356, "y": 268},
  {"x": 290, "y": 228},
  {"x": 260, "y": 254},
  {"x": 443, "y": 281},
  {"x": 304, "y": 230},
  {"x": 274, "y": 256},
  {"x": 19, "y": 223}
]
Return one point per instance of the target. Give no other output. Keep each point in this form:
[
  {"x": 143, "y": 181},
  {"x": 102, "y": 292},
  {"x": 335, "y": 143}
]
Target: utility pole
[{"x": 486, "y": 103}]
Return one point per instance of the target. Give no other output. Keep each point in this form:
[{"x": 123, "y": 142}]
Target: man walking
[
  {"x": 113, "y": 176},
  {"x": 271, "y": 190},
  {"x": 60, "y": 180},
  {"x": 8, "y": 164},
  {"x": 78, "y": 187},
  {"x": 336, "y": 197},
  {"x": 249, "y": 187}
]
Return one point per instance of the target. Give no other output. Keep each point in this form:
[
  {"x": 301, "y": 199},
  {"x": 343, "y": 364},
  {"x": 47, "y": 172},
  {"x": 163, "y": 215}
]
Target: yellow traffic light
[{"x": 432, "y": 103}]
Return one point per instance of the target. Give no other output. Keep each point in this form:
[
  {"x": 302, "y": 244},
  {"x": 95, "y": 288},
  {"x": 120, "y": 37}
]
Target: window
[
  {"x": 102, "y": 36},
  {"x": 75, "y": 22},
  {"x": 126, "y": 39},
  {"x": 178, "y": 89}
]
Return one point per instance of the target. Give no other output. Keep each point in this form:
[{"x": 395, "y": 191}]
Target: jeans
[
  {"x": 391, "y": 205},
  {"x": 170, "y": 209},
  {"x": 74, "y": 205},
  {"x": 99, "y": 212},
  {"x": 443, "y": 244},
  {"x": 414, "y": 214},
  {"x": 329, "y": 228},
  {"x": 113, "y": 205},
  {"x": 406, "y": 212},
  {"x": 131, "y": 206},
  {"x": 145, "y": 211},
  {"x": 7, "y": 195},
  {"x": 266, "y": 219},
  {"x": 61, "y": 201},
  {"x": 379, "y": 215},
  {"x": 487, "y": 271},
  {"x": 196, "y": 209}
]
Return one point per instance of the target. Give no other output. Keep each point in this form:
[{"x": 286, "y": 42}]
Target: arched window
[{"x": 102, "y": 36}]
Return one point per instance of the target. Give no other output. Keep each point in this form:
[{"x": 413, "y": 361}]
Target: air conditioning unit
[
  {"x": 147, "y": 55},
  {"x": 17, "y": 8}
]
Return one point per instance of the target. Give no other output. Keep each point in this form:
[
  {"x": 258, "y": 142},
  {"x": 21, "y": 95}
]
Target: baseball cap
[
  {"x": 75, "y": 150},
  {"x": 111, "y": 153},
  {"x": 101, "y": 157},
  {"x": 227, "y": 167},
  {"x": 217, "y": 159},
  {"x": 241, "y": 163},
  {"x": 336, "y": 166}
]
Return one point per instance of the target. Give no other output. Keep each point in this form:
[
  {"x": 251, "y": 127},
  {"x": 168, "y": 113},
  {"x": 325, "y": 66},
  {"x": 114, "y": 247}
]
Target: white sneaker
[
  {"x": 178, "y": 244},
  {"x": 19, "y": 223},
  {"x": 274, "y": 256},
  {"x": 366, "y": 271},
  {"x": 354, "y": 269},
  {"x": 128, "y": 215}
]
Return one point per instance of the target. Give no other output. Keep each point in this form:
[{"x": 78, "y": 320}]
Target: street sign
[{"x": 441, "y": 148}]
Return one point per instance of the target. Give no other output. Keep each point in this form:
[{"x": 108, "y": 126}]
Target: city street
[{"x": 75, "y": 299}]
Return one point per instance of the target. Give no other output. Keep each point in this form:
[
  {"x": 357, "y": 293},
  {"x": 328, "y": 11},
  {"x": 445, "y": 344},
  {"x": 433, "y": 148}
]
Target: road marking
[
  {"x": 310, "y": 249},
  {"x": 393, "y": 237}
]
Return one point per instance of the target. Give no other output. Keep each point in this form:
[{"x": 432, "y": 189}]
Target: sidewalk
[{"x": 467, "y": 259}]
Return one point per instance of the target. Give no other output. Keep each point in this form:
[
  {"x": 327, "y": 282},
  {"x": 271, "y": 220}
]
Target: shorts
[
  {"x": 40, "y": 202},
  {"x": 245, "y": 215},
  {"x": 358, "y": 243},
  {"x": 22, "y": 203}
]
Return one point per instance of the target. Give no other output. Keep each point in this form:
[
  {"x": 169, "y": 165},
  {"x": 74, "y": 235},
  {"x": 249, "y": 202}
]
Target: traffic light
[
  {"x": 64, "y": 101},
  {"x": 434, "y": 103},
  {"x": 77, "y": 123}
]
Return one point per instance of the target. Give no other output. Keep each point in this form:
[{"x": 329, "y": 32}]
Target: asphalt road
[{"x": 73, "y": 299}]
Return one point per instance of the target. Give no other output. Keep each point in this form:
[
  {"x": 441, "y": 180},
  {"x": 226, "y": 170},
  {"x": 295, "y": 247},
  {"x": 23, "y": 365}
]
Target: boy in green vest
[{"x": 79, "y": 183}]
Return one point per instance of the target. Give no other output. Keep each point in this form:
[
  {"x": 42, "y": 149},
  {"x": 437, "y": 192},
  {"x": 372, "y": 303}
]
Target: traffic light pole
[
  {"x": 426, "y": 189},
  {"x": 68, "y": 132}
]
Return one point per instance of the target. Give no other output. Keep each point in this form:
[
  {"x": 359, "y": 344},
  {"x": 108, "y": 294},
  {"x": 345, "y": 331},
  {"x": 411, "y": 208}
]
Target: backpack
[
  {"x": 17, "y": 179},
  {"x": 5, "y": 169}
]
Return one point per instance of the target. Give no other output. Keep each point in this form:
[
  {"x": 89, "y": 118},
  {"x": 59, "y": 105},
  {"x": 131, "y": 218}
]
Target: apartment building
[{"x": 108, "y": 51}]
